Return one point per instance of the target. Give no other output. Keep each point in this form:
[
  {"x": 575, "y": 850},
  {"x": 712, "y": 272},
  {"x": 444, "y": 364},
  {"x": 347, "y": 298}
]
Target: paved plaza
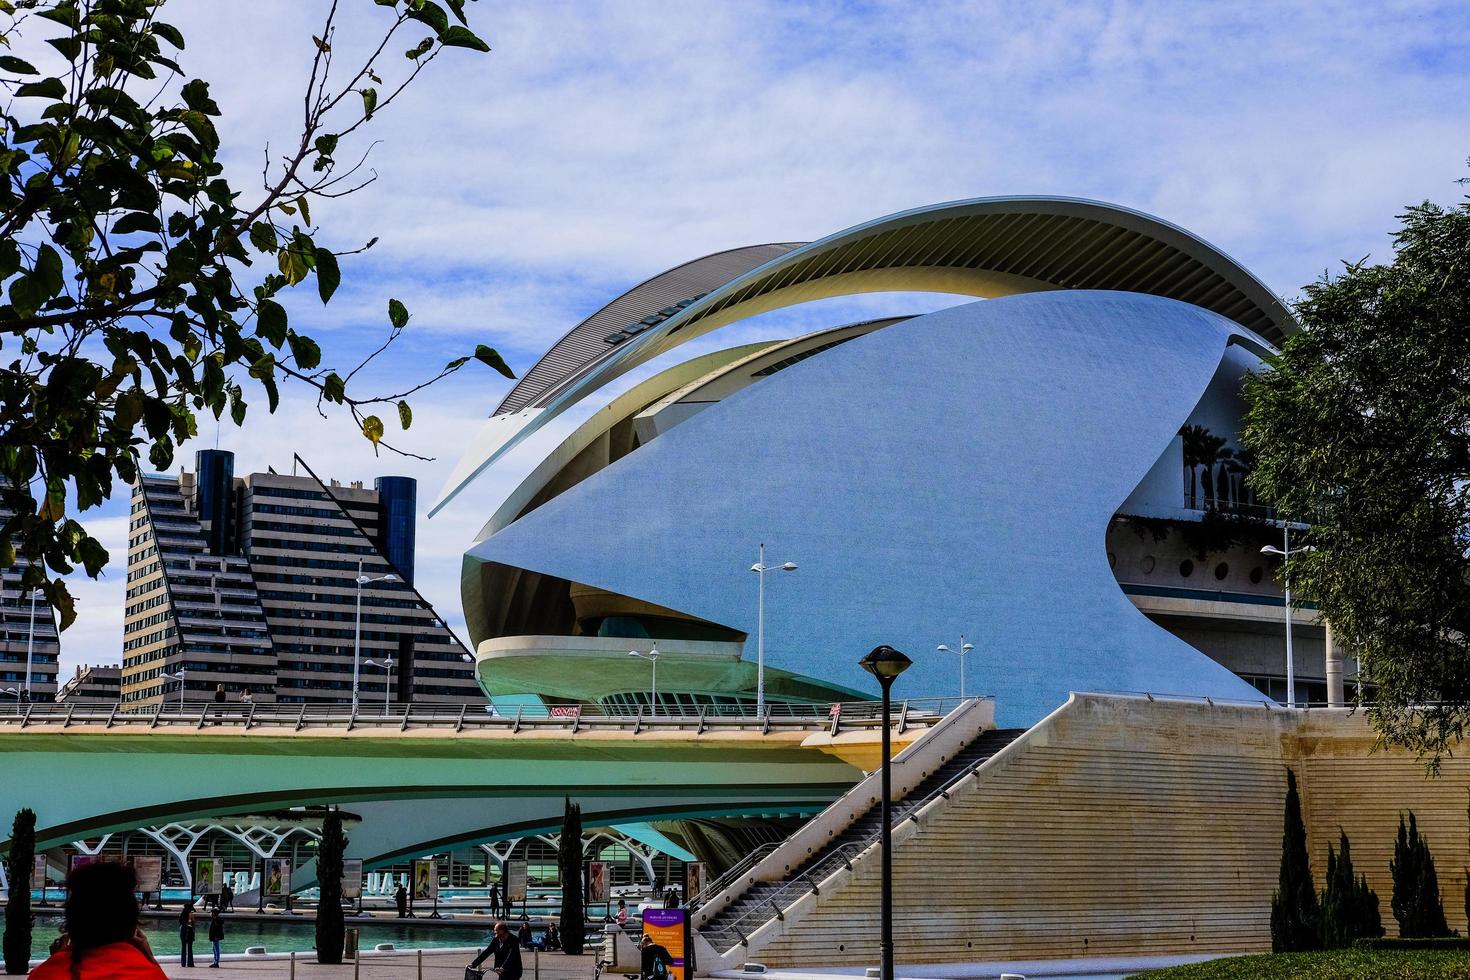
[{"x": 436, "y": 964}]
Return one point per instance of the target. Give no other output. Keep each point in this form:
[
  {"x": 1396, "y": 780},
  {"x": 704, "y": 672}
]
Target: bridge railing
[{"x": 198, "y": 715}]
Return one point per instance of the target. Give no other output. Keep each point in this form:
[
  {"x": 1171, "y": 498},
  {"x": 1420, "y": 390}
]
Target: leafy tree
[
  {"x": 330, "y": 924},
  {"x": 1416, "y": 903},
  {"x": 139, "y": 286},
  {"x": 1295, "y": 916},
  {"x": 19, "y": 864},
  {"x": 569, "y": 860},
  {"x": 1361, "y": 427},
  {"x": 1349, "y": 906}
]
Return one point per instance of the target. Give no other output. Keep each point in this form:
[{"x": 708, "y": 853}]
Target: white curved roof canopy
[{"x": 985, "y": 247}]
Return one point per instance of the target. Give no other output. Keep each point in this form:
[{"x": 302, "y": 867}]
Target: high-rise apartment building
[
  {"x": 95, "y": 684},
  {"x": 30, "y": 635},
  {"x": 254, "y": 583}
]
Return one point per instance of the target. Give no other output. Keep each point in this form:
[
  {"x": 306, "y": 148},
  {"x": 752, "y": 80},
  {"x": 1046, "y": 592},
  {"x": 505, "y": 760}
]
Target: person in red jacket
[{"x": 103, "y": 941}]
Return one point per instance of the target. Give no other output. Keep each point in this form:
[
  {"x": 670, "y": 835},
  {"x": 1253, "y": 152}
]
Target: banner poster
[
  {"x": 694, "y": 880},
  {"x": 38, "y": 872},
  {"x": 209, "y": 874},
  {"x": 597, "y": 881},
  {"x": 425, "y": 879},
  {"x": 515, "y": 882},
  {"x": 277, "y": 877},
  {"x": 669, "y": 929},
  {"x": 149, "y": 869},
  {"x": 352, "y": 878},
  {"x": 74, "y": 861}
]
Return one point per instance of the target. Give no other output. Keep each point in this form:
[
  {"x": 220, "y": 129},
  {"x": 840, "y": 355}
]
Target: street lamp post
[
  {"x": 760, "y": 568},
  {"x": 31, "y": 641},
  {"x": 180, "y": 678},
  {"x": 652, "y": 657},
  {"x": 885, "y": 664},
  {"x": 387, "y": 665},
  {"x": 1286, "y": 551},
  {"x": 357, "y": 629},
  {"x": 962, "y": 652}
]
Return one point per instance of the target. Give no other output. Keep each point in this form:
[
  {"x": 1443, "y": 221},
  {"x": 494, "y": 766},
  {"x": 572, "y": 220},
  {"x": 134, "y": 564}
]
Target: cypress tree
[
  {"x": 569, "y": 858},
  {"x": 1295, "y": 916},
  {"x": 1416, "y": 902},
  {"x": 18, "y": 867},
  {"x": 1349, "y": 906},
  {"x": 330, "y": 923}
]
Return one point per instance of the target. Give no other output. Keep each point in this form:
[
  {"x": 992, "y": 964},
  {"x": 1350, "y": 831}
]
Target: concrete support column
[{"x": 1335, "y": 694}]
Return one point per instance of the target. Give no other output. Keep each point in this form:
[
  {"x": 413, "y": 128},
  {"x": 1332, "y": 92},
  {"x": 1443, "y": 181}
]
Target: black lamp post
[{"x": 886, "y": 663}]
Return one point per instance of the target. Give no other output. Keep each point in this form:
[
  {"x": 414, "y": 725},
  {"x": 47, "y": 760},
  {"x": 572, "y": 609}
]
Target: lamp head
[
  {"x": 1271, "y": 549},
  {"x": 966, "y": 647},
  {"x": 756, "y": 567},
  {"x": 467, "y": 658},
  {"x": 390, "y": 577},
  {"x": 885, "y": 663},
  {"x": 943, "y": 648},
  {"x": 789, "y": 566},
  {"x": 364, "y": 579}
]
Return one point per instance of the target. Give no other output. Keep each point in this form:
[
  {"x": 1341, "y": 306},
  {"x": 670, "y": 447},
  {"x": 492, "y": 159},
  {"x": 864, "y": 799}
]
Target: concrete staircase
[{"x": 744, "y": 910}]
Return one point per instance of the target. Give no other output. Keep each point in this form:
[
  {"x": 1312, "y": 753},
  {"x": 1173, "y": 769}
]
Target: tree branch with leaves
[{"x": 141, "y": 288}]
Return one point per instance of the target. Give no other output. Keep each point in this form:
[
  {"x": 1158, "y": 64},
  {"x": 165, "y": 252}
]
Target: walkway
[{"x": 437, "y": 965}]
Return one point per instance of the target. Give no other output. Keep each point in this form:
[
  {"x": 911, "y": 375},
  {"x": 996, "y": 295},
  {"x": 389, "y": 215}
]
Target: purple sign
[{"x": 667, "y": 927}]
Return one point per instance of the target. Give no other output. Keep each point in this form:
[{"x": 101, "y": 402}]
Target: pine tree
[
  {"x": 1295, "y": 916},
  {"x": 1349, "y": 906},
  {"x": 19, "y": 864},
  {"x": 330, "y": 924},
  {"x": 573, "y": 915},
  {"x": 1416, "y": 902}
]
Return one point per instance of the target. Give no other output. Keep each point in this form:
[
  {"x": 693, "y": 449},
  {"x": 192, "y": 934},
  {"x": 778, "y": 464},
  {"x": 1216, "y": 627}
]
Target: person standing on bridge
[{"x": 102, "y": 939}]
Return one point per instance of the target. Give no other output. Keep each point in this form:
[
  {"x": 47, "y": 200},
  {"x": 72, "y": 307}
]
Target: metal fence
[{"x": 197, "y": 715}]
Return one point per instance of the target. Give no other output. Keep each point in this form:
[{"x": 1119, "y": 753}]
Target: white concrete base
[{"x": 1096, "y": 968}]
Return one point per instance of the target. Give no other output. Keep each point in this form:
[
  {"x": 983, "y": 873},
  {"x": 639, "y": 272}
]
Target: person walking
[
  {"x": 504, "y": 954},
  {"x": 622, "y": 912},
  {"x": 226, "y": 898},
  {"x": 494, "y": 900},
  {"x": 102, "y": 939},
  {"x": 400, "y": 898},
  {"x": 656, "y": 960},
  {"x": 186, "y": 934},
  {"x": 216, "y": 933}
]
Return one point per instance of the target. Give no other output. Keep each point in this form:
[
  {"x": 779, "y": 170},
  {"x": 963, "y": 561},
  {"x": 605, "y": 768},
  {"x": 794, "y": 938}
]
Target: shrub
[
  {"x": 1296, "y": 920},
  {"x": 19, "y": 863},
  {"x": 1349, "y": 906},
  {"x": 1416, "y": 903},
  {"x": 573, "y": 915},
  {"x": 330, "y": 924}
]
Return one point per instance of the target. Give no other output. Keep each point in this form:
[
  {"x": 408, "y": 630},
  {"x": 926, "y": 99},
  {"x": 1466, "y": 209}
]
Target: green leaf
[
  {"x": 321, "y": 45},
  {"x": 136, "y": 221},
  {"x": 270, "y": 321},
  {"x": 369, "y": 101},
  {"x": 47, "y": 88},
  {"x": 263, "y": 236},
  {"x": 169, "y": 33},
  {"x": 462, "y": 37},
  {"x": 431, "y": 13},
  {"x": 334, "y": 389},
  {"x": 457, "y": 6},
  {"x": 308, "y": 355},
  {"x": 326, "y": 145},
  {"x": 48, "y": 273},
  {"x": 488, "y": 355},
  {"x": 420, "y": 49},
  {"x": 397, "y": 314},
  {"x": 14, "y": 64},
  {"x": 328, "y": 276},
  {"x": 196, "y": 97},
  {"x": 405, "y": 415},
  {"x": 372, "y": 427},
  {"x": 69, "y": 46},
  {"x": 305, "y": 209},
  {"x": 292, "y": 265}
]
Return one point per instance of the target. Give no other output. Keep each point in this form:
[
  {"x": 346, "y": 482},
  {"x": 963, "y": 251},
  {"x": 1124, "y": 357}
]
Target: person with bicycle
[{"x": 504, "y": 954}]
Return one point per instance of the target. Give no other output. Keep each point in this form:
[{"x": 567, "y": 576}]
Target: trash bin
[{"x": 349, "y": 944}]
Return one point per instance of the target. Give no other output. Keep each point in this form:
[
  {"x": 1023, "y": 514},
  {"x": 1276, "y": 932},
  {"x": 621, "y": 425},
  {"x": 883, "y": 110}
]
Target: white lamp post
[
  {"x": 1286, "y": 551},
  {"x": 387, "y": 665},
  {"x": 962, "y": 652},
  {"x": 31, "y": 641},
  {"x": 357, "y": 629},
  {"x": 180, "y": 678},
  {"x": 652, "y": 657},
  {"x": 760, "y": 568}
]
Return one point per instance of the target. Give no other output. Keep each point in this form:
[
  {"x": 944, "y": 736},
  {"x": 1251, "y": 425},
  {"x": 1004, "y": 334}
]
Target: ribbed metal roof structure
[{"x": 984, "y": 247}]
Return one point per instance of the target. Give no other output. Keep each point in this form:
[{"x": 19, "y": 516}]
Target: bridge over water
[{"x": 425, "y": 777}]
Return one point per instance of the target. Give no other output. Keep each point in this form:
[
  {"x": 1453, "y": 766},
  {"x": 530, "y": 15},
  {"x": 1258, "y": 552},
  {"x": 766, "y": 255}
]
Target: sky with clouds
[{"x": 600, "y": 143}]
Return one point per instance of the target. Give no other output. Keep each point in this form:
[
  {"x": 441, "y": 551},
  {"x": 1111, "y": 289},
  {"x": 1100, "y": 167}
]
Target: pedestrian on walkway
[
  {"x": 102, "y": 940},
  {"x": 226, "y": 898},
  {"x": 622, "y": 912},
  {"x": 186, "y": 934},
  {"x": 504, "y": 954},
  {"x": 400, "y": 898},
  {"x": 656, "y": 960},
  {"x": 216, "y": 934}
]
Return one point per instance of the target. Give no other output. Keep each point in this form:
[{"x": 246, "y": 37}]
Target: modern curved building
[{"x": 1050, "y": 471}]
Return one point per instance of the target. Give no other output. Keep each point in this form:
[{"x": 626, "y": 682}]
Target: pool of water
[{"x": 283, "y": 936}]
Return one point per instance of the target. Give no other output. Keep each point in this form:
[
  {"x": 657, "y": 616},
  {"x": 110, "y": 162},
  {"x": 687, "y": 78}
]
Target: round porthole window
[
  {"x": 1148, "y": 565},
  {"x": 1222, "y": 570},
  {"x": 1257, "y": 574},
  {"x": 1186, "y": 568}
]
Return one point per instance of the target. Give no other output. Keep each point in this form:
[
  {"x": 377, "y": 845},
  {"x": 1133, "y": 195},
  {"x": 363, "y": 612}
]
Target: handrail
[
  {"x": 260, "y": 718},
  {"x": 724, "y": 881}
]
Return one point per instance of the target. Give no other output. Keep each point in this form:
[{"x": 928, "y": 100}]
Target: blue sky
[{"x": 600, "y": 143}]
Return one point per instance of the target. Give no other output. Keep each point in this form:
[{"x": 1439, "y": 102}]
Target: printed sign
[
  {"x": 277, "y": 877},
  {"x": 835, "y": 711},
  {"x": 597, "y": 890},
  {"x": 149, "y": 870},
  {"x": 74, "y": 861},
  {"x": 426, "y": 879},
  {"x": 38, "y": 872},
  {"x": 566, "y": 711},
  {"x": 669, "y": 929},
  {"x": 352, "y": 878},
  {"x": 515, "y": 882},
  {"x": 694, "y": 880},
  {"x": 209, "y": 874}
]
